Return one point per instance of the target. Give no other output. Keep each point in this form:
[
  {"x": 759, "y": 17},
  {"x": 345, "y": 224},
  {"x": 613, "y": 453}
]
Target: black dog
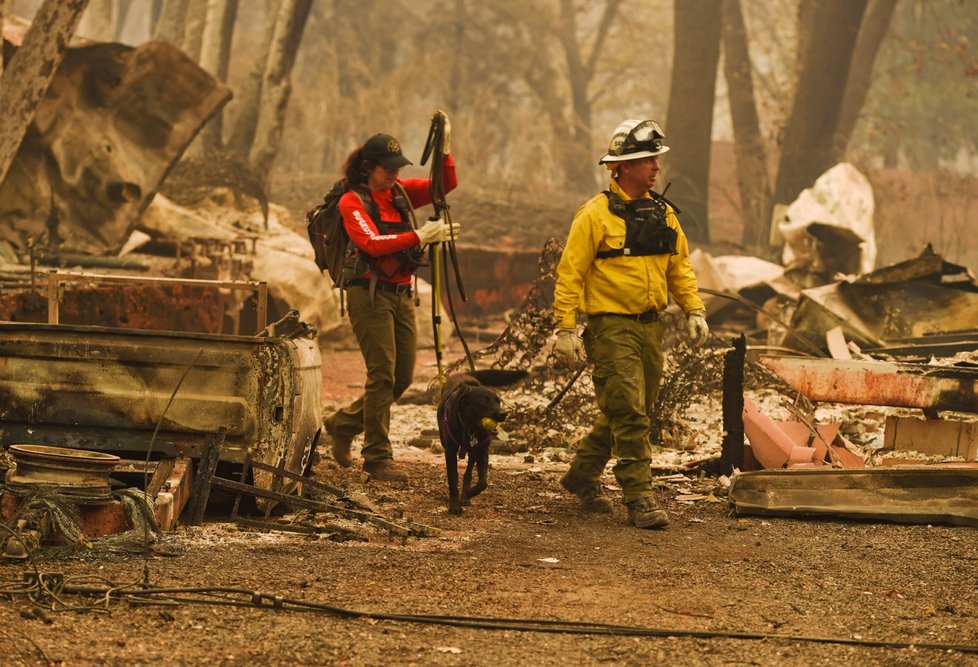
[{"x": 467, "y": 416}]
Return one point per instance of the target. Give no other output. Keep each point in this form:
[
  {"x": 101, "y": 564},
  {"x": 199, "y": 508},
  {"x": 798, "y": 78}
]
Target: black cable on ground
[{"x": 265, "y": 601}]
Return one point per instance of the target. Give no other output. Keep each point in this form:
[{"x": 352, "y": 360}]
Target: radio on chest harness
[{"x": 646, "y": 231}]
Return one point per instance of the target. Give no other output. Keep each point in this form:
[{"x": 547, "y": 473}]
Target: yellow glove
[
  {"x": 696, "y": 327},
  {"x": 446, "y": 144},
  {"x": 569, "y": 350}
]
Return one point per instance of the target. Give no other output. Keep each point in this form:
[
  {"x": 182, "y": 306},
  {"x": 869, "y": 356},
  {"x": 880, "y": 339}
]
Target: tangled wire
[{"x": 53, "y": 515}]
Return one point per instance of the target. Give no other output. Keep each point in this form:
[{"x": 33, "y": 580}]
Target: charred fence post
[{"x": 732, "y": 449}]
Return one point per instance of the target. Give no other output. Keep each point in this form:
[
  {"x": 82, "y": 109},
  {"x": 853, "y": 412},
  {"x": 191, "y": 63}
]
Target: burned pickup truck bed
[{"x": 123, "y": 390}]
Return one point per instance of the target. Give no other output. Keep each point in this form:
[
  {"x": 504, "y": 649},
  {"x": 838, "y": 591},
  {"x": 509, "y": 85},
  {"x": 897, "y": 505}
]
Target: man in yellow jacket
[{"x": 625, "y": 254}]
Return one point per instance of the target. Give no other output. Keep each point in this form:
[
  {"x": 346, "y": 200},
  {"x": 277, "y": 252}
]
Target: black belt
[
  {"x": 647, "y": 316},
  {"x": 381, "y": 286}
]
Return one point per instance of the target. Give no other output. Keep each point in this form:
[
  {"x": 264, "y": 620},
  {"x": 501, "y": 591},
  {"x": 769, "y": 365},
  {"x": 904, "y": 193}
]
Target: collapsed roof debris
[{"x": 828, "y": 229}]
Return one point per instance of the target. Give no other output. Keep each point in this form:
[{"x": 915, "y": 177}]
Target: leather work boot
[
  {"x": 644, "y": 513},
  {"x": 385, "y": 470},
  {"x": 589, "y": 491},
  {"x": 338, "y": 447}
]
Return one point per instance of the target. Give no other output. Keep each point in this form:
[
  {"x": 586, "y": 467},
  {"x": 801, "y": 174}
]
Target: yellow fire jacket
[{"x": 623, "y": 284}]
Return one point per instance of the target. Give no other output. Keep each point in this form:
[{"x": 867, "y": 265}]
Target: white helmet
[{"x": 634, "y": 139}]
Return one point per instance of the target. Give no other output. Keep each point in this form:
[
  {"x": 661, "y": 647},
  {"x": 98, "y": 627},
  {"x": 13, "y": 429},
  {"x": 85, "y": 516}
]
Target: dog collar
[{"x": 463, "y": 445}]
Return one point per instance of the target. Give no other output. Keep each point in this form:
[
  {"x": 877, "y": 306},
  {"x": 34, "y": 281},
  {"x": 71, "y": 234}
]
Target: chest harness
[
  {"x": 358, "y": 264},
  {"x": 646, "y": 231}
]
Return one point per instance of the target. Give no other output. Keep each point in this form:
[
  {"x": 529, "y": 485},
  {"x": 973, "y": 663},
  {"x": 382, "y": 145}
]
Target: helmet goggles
[{"x": 642, "y": 140}]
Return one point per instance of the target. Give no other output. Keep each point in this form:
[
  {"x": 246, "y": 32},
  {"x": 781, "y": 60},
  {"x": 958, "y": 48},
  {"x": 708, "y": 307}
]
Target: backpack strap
[{"x": 403, "y": 204}]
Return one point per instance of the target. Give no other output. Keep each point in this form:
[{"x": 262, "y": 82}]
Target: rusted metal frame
[
  {"x": 205, "y": 474},
  {"x": 272, "y": 525},
  {"x": 291, "y": 528},
  {"x": 310, "y": 483},
  {"x": 242, "y": 478},
  {"x": 133, "y": 466},
  {"x": 313, "y": 505},
  {"x": 55, "y": 278},
  {"x": 277, "y": 478}
]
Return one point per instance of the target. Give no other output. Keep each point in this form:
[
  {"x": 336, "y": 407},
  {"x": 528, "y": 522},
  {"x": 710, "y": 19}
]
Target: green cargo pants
[
  {"x": 627, "y": 358},
  {"x": 385, "y": 330}
]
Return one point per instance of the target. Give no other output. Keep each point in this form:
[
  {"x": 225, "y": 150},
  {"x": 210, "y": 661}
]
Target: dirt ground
[{"x": 711, "y": 589}]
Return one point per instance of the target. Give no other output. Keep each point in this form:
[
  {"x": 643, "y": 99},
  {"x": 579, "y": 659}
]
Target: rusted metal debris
[
  {"x": 82, "y": 484},
  {"x": 403, "y": 528},
  {"x": 880, "y": 382},
  {"x": 902, "y": 494},
  {"x": 80, "y": 475},
  {"x": 895, "y": 308},
  {"x": 130, "y": 113},
  {"x": 167, "y": 393}
]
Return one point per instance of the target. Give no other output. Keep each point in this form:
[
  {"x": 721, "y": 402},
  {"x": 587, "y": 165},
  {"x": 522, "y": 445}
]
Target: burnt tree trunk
[
  {"x": 246, "y": 108},
  {"x": 122, "y": 14},
  {"x": 871, "y": 32},
  {"x": 215, "y": 53},
  {"x": 808, "y": 137},
  {"x": 170, "y": 22},
  {"x": 31, "y": 69},
  {"x": 193, "y": 28},
  {"x": 456, "y": 77},
  {"x": 698, "y": 26},
  {"x": 276, "y": 84},
  {"x": 752, "y": 177},
  {"x": 578, "y": 161}
]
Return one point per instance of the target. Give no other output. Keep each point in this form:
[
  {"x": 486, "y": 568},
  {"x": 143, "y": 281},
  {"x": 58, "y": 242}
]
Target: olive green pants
[
  {"x": 385, "y": 330},
  {"x": 627, "y": 358}
]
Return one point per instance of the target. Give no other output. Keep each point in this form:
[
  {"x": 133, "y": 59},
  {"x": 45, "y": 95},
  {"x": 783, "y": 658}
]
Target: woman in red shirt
[{"x": 379, "y": 296}]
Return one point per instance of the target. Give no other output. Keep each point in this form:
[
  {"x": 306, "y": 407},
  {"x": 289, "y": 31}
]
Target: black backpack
[
  {"x": 327, "y": 234},
  {"x": 331, "y": 243}
]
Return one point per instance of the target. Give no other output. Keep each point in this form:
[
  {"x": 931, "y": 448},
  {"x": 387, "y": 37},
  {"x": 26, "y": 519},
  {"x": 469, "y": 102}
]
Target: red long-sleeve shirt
[{"x": 364, "y": 233}]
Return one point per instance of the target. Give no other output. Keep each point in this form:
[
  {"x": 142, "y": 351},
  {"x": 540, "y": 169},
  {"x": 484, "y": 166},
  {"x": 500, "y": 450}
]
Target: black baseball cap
[{"x": 386, "y": 151}]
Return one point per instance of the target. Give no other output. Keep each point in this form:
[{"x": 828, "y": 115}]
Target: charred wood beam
[{"x": 732, "y": 447}]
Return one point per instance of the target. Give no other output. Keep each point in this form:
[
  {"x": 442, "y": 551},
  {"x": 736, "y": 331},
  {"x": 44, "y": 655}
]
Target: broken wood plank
[
  {"x": 162, "y": 472},
  {"x": 921, "y": 494},
  {"x": 935, "y": 437}
]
